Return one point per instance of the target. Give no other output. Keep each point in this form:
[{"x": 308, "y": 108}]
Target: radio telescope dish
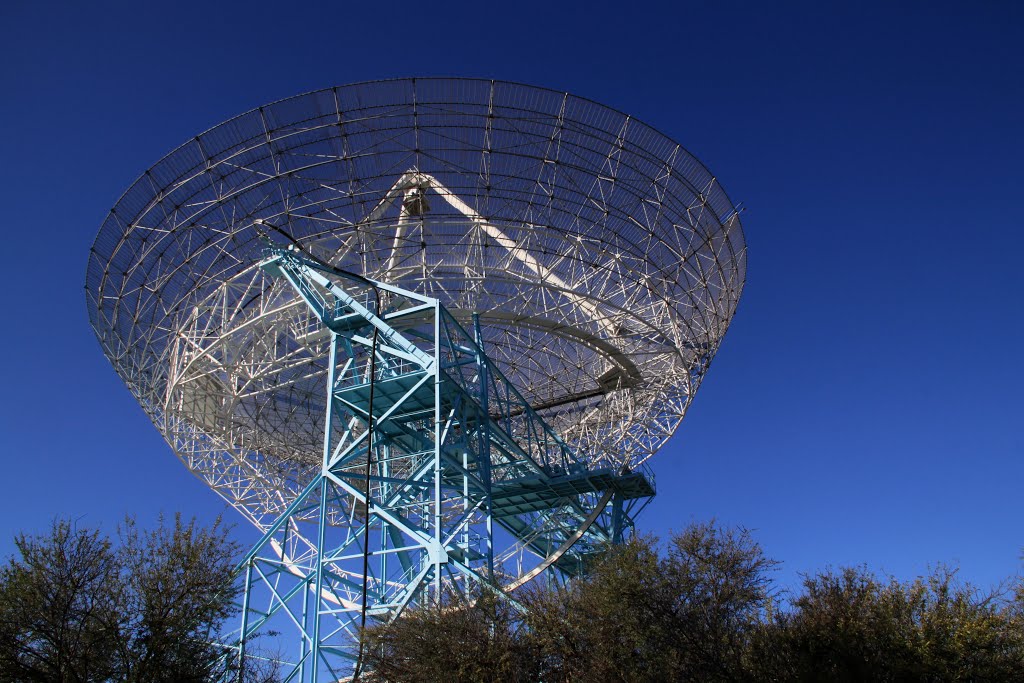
[{"x": 597, "y": 263}]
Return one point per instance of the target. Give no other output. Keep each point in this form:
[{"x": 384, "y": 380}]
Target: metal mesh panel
[{"x": 604, "y": 260}]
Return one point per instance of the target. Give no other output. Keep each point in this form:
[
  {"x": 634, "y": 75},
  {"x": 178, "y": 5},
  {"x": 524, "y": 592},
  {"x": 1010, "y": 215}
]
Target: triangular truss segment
[{"x": 432, "y": 460}]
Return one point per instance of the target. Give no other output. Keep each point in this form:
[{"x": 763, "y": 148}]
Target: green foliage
[
  {"x": 704, "y": 609},
  {"x": 75, "y": 608},
  {"x": 852, "y": 626},
  {"x": 592, "y": 629},
  {"x": 59, "y": 608},
  {"x": 636, "y": 616},
  {"x": 720, "y": 584},
  {"x": 480, "y": 642},
  {"x": 641, "y": 616},
  {"x": 178, "y": 590}
]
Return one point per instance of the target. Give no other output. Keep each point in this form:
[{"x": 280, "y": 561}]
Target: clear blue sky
[{"x": 866, "y": 404}]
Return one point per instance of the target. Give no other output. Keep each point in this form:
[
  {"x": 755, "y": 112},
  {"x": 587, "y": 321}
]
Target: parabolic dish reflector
[{"x": 603, "y": 260}]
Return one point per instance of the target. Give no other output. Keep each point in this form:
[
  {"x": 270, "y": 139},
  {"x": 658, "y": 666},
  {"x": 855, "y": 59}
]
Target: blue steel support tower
[{"x": 429, "y": 453}]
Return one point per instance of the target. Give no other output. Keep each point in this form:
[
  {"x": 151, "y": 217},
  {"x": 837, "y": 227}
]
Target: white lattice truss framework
[{"x": 603, "y": 260}]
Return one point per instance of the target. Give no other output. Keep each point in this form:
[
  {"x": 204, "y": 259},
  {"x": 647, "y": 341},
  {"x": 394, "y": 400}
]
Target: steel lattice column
[{"x": 427, "y": 450}]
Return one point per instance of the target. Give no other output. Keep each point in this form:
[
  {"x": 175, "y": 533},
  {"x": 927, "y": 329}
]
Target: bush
[
  {"x": 705, "y": 609},
  {"x": 851, "y": 625},
  {"x": 76, "y": 608}
]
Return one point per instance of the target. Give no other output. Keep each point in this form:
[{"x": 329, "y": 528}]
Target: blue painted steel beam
[{"x": 456, "y": 454}]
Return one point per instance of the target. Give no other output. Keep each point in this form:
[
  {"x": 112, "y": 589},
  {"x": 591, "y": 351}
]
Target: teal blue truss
[{"x": 438, "y": 481}]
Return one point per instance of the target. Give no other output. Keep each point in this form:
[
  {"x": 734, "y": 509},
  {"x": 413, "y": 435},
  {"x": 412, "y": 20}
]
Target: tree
[
  {"x": 719, "y": 583},
  {"x": 177, "y": 591},
  {"x": 480, "y": 641},
  {"x": 59, "y": 608},
  {"x": 703, "y": 608},
  {"x": 614, "y": 624},
  {"x": 642, "y": 616},
  {"x": 851, "y": 625},
  {"x": 75, "y": 608},
  {"x": 635, "y": 616}
]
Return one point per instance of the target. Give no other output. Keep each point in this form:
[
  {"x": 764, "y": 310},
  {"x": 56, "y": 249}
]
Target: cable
[
  {"x": 369, "y": 423},
  {"x": 366, "y": 523},
  {"x": 323, "y": 265}
]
